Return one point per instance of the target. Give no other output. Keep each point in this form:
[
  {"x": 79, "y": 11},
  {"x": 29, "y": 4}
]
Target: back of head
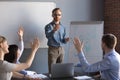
[
  {"x": 110, "y": 40},
  {"x": 12, "y": 55}
]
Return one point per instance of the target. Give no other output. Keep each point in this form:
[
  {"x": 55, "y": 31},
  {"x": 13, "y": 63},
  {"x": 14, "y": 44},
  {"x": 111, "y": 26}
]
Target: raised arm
[
  {"x": 99, "y": 66},
  {"x": 20, "y": 43},
  {"x": 78, "y": 44},
  {"x": 34, "y": 45},
  {"x": 20, "y": 33},
  {"x": 79, "y": 47}
]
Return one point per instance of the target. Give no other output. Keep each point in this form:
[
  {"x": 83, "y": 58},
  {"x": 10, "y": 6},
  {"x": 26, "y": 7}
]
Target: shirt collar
[
  {"x": 54, "y": 23},
  {"x": 109, "y": 53}
]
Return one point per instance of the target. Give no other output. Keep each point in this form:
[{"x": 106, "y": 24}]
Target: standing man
[
  {"x": 109, "y": 66},
  {"x": 56, "y": 35}
]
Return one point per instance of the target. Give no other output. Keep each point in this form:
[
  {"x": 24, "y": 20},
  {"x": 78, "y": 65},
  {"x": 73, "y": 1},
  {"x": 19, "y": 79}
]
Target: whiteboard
[
  {"x": 90, "y": 33},
  {"x": 33, "y": 16}
]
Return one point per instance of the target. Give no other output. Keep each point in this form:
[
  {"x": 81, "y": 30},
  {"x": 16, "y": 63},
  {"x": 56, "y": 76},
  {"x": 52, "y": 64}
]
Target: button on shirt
[
  {"x": 109, "y": 66},
  {"x": 56, "y": 38}
]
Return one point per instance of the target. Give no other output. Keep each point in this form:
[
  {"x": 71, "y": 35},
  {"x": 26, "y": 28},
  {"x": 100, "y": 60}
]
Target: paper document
[
  {"x": 30, "y": 72},
  {"x": 33, "y": 74},
  {"x": 83, "y": 77},
  {"x": 38, "y": 76}
]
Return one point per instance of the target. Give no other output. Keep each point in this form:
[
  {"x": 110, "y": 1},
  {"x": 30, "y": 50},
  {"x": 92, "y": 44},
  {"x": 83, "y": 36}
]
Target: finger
[
  {"x": 78, "y": 41},
  {"x": 21, "y": 28},
  {"x": 75, "y": 40},
  {"x": 82, "y": 43},
  {"x": 37, "y": 40},
  {"x": 31, "y": 43}
]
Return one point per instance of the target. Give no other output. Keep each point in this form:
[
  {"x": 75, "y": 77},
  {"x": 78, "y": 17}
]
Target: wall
[
  {"x": 73, "y": 10},
  {"x": 31, "y": 15},
  {"x": 112, "y": 19}
]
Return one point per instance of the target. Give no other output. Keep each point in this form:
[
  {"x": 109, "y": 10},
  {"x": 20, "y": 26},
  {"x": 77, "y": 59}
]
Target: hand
[
  {"x": 20, "y": 32},
  {"x": 78, "y": 44},
  {"x": 57, "y": 26},
  {"x": 35, "y": 44},
  {"x": 67, "y": 39}
]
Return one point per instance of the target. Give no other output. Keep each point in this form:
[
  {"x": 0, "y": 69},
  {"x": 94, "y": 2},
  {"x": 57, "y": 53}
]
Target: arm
[
  {"x": 65, "y": 39},
  {"x": 27, "y": 64},
  {"x": 21, "y": 76},
  {"x": 99, "y": 66},
  {"x": 18, "y": 75},
  {"x": 49, "y": 31},
  {"x": 79, "y": 47},
  {"x": 21, "y": 43}
]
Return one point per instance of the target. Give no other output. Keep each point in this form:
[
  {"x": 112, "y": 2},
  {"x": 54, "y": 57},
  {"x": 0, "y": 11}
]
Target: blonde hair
[{"x": 2, "y": 39}]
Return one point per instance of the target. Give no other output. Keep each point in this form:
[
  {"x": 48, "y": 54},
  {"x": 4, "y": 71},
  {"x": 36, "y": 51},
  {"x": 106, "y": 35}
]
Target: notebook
[{"x": 62, "y": 70}]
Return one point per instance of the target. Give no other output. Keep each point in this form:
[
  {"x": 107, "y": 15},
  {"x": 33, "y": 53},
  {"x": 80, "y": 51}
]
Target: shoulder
[
  {"x": 5, "y": 63},
  {"x": 6, "y": 66},
  {"x": 51, "y": 23},
  {"x": 113, "y": 58}
]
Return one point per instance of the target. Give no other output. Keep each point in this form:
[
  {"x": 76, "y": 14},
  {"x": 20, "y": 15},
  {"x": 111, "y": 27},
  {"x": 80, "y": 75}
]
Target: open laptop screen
[{"x": 62, "y": 70}]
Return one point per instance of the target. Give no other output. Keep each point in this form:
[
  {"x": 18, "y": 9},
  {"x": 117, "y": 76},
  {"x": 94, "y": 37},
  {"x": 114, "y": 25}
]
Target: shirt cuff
[{"x": 81, "y": 55}]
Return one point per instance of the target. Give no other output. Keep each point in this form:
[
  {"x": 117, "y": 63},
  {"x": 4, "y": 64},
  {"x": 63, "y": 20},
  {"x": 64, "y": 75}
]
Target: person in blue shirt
[
  {"x": 109, "y": 67},
  {"x": 56, "y": 34}
]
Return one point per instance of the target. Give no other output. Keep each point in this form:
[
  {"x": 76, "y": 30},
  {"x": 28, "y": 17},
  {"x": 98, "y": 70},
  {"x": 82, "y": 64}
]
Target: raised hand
[
  {"x": 57, "y": 26},
  {"x": 35, "y": 44},
  {"x": 78, "y": 44},
  {"x": 20, "y": 32}
]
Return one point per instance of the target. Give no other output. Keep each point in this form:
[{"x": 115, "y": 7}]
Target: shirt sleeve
[
  {"x": 64, "y": 37},
  {"x": 48, "y": 31},
  {"x": 99, "y": 66},
  {"x": 83, "y": 60},
  {"x": 21, "y": 47},
  {"x": 8, "y": 66}
]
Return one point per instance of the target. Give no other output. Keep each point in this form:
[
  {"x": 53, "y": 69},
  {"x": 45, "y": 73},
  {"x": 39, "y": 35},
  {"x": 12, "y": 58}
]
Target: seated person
[
  {"x": 15, "y": 53},
  {"x": 7, "y": 68},
  {"x": 109, "y": 67}
]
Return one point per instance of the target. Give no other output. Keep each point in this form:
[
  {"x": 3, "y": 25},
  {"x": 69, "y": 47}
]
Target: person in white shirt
[
  {"x": 15, "y": 52},
  {"x": 7, "y": 68}
]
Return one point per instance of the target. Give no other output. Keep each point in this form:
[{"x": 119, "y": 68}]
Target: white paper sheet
[
  {"x": 38, "y": 76},
  {"x": 83, "y": 77}
]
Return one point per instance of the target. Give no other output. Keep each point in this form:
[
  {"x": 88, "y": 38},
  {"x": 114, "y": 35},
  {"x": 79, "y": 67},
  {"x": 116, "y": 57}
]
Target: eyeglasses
[{"x": 56, "y": 14}]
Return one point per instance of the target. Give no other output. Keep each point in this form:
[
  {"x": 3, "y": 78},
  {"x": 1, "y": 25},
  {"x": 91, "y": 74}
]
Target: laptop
[{"x": 62, "y": 70}]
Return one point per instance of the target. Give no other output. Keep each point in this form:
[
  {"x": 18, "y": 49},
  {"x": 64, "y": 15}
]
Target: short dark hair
[
  {"x": 110, "y": 40},
  {"x": 12, "y": 55},
  {"x": 55, "y": 10}
]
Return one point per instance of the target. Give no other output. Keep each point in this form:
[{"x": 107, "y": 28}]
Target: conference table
[{"x": 70, "y": 78}]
